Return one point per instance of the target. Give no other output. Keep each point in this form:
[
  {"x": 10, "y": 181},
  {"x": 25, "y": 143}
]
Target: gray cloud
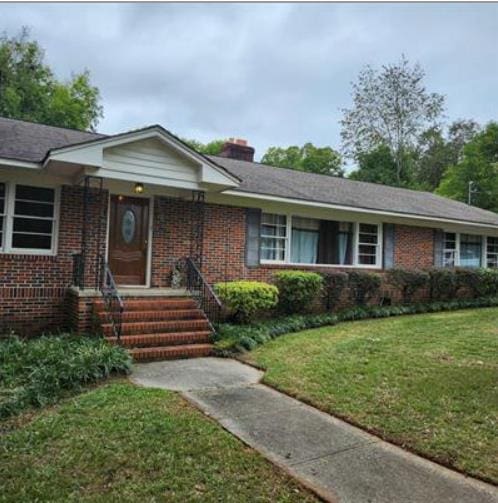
[{"x": 276, "y": 74}]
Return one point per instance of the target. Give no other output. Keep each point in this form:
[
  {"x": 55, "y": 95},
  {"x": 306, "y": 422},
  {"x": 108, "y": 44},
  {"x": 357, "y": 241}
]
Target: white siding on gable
[{"x": 152, "y": 159}]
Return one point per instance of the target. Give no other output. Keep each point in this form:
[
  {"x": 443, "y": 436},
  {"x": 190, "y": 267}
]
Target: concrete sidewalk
[{"x": 341, "y": 462}]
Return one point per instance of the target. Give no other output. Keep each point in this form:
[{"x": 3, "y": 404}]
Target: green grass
[
  {"x": 40, "y": 371},
  {"x": 428, "y": 382},
  {"x": 124, "y": 443}
]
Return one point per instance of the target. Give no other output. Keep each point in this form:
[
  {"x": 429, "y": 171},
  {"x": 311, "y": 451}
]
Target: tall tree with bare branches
[{"x": 391, "y": 108}]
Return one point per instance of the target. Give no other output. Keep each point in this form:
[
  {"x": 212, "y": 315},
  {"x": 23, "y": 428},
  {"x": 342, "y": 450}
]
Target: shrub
[
  {"x": 443, "y": 284},
  {"x": 245, "y": 299},
  {"x": 487, "y": 284},
  {"x": 334, "y": 284},
  {"x": 297, "y": 290},
  {"x": 38, "y": 372},
  {"x": 408, "y": 282},
  {"x": 364, "y": 286},
  {"x": 472, "y": 280},
  {"x": 232, "y": 338}
]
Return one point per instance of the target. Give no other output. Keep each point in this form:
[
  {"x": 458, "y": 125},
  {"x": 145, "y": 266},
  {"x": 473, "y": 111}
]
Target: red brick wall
[
  {"x": 33, "y": 288},
  {"x": 413, "y": 247}
]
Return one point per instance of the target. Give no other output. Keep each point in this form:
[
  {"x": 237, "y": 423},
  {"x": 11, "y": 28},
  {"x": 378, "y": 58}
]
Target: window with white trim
[
  {"x": 368, "y": 244},
  {"x": 310, "y": 241},
  {"x": 27, "y": 219},
  {"x": 491, "y": 251},
  {"x": 450, "y": 258},
  {"x": 273, "y": 237},
  {"x": 470, "y": 253}
]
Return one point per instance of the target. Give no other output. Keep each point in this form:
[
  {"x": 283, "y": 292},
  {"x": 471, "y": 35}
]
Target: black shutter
[
  {"x": 253, "y": 229},
  {"x": 388, "y": 245},
  {"x": 438, "y": 247}
]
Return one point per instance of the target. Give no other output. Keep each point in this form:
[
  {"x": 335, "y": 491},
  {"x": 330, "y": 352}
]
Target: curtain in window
[
  {"x": 304, "y": 246},
  {"x": 470, "y": 250}
]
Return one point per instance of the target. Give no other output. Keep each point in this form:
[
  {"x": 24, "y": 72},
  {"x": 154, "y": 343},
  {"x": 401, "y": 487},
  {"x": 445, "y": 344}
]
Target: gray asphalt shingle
[{"x": 27, "y": 141}]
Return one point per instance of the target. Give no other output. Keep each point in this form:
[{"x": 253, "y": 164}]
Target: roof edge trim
[{"x": 357, "y": 209}]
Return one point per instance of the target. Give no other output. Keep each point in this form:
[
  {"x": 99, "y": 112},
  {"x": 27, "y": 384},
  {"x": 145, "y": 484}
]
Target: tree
[
  {"x": 30, "y": 91},
  {"x": 211, "y": 148},
  {"x": 479, "y": 165},
  {"x": 322, "y": 160},
  {"x": 391, "y": 107},
  {"x": 437, "y": 152},
  {"x": 376, "y": 166}
]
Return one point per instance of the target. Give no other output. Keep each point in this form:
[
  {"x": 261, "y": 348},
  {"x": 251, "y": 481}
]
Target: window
[
  {"x": 27, "y": 218},
  {"x": 305, "y": 235},
  {"x": 300, "y": 240},
  {"x": 470, "y": 250},
  {"x": 492, "y": 252},
  {"x": 465, "y": 250},
  {"x": 273, "y": 237},
  {"x": 368, "y": 244},
  {"x": 450, "y": 249}
]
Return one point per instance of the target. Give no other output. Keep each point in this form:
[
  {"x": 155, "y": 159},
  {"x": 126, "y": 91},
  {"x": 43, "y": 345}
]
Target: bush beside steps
[
  {"x": 232, "y": 339},
  {"x": 39, "y": 372}
]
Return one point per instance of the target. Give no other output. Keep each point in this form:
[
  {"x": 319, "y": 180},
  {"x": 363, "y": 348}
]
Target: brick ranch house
[{"x": 77, "y": 206}]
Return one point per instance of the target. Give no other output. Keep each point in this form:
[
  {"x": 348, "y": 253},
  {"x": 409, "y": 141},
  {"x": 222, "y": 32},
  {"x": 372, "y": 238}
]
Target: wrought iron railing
[
  {"x": 202, "y": 292},
  {"x": 113, "y": 303},
  {"x": 78, "y": 270}
]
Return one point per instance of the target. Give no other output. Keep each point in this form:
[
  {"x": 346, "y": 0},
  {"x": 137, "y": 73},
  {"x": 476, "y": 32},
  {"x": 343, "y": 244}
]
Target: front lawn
[
  {"x": 428, "y": 382},
  {"x": 124, "y": 443}
]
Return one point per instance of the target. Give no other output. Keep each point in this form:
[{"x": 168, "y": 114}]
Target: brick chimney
[{"x": 236, "y": 148}]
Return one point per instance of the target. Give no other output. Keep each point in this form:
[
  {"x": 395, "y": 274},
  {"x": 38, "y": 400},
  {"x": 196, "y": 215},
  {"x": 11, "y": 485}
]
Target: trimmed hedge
[
  {"x": 334, "y": 285},
  {"x": 232, "y": 339},
  {"x": 408, "y": 282},
  {"x": 245, "y": 299},
  {"x": 297, "y": 290},
  {"x": 364, "y": 286}
]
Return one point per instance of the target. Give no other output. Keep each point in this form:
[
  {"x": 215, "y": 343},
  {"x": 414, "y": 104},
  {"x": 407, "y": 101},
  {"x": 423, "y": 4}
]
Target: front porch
[{"x": 152, "y": 323}]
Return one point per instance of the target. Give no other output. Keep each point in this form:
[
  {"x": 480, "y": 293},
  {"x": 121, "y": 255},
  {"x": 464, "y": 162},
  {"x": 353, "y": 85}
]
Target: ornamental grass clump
[
  {"x": 38, "y": 372},
  {"x": 298, "y": 290},
  {"x": 246, "y": 299}
]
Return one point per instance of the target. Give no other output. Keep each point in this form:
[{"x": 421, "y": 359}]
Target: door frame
[{"x": 148, "y": 265}]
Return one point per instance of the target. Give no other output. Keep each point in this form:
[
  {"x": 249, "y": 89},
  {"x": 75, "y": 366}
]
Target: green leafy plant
[
  {"x": 408, "y": 282},
  {"x": 297, "y": 290},
  {"x": 443, "y": 284},
  {"x": 232, "y": 339},
  {"x": 364, "y": 286},
  {"x": 245, "y": 299},
  {"x": 37, "y": 372},
  {"x": 334, "y": 285}
]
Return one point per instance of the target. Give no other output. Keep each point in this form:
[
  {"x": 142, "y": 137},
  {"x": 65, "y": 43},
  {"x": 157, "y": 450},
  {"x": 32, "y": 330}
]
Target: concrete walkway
[{"x": 341, "y": 462}]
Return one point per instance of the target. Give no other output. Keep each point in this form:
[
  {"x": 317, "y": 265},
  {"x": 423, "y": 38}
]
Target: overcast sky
[{"x": 275, "y": 74}]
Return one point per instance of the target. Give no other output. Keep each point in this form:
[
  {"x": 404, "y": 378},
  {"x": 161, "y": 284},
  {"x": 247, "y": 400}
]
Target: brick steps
[
  {"x": 159, "y": 328},
  {"x": 169, "y": 339},
  {"x": 164, "y": 315},
  {"x": 171, "y": 352},
  {"x": 151, "y": 304},
  {"x": 153, "y": 327}
]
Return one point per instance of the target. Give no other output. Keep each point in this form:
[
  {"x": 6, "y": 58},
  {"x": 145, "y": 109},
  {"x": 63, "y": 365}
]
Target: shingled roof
[{"x": 27, "y": 141}]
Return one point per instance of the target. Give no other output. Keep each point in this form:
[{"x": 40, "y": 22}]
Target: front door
[{"x": 128, "y": 235}]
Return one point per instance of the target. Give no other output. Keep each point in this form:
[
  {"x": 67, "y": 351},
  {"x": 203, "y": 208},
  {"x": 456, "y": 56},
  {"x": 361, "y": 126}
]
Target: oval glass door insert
[{"x": 128, "y": 225}]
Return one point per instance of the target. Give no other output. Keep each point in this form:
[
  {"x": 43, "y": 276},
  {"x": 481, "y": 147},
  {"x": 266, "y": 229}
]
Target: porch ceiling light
[{"x": 139, "y": 188}]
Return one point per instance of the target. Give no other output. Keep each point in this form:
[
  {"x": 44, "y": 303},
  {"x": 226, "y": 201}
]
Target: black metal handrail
[
  {"x": 202, "y": 292},
  {"x": 78, "y": 270},
  {"x": 113, "y": 303}
]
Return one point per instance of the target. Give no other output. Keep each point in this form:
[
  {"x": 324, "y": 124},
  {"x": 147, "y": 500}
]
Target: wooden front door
[{"x": 128, "y": 238}]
